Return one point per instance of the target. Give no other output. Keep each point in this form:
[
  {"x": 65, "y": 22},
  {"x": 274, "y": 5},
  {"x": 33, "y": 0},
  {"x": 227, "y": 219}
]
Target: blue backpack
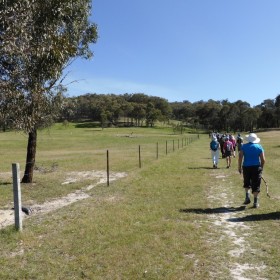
[{"x": 214, "y": 145}]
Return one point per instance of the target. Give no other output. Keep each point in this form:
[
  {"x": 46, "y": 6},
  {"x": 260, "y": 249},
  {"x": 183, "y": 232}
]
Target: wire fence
[
  {"x": 147, "y": 154},
  {"x": 127, "y": 159},
  {"x": 119, "y": 158},
  {"x": 125, "y": 153}
]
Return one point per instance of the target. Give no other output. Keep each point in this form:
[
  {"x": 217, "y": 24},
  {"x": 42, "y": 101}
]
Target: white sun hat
[{"x": 252, "y": 138}]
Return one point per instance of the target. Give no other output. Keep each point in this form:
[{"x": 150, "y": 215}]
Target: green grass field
[{"x": 174, "y": 218}]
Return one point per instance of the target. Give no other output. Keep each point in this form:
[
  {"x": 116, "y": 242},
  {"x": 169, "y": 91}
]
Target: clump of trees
[
  {"x": 226, "y": 116},
  {"x": 139, "y": 109},
  {"x": 109, "y": 109}
]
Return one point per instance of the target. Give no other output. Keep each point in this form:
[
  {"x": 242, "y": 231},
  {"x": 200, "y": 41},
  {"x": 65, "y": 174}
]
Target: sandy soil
[
  {"x": 237, "y": 233},
  {"x": 7, "y": 215}
]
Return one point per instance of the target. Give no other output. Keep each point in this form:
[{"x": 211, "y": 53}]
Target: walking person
[
  {"x": 222, "y": 141},
  {"x": 233, "y": 141},
  {"x": 214, "y": 147},
  {"x": 239, "y": 142},
  {"x": 228, "y": 151},
  {"x": 251, "y": 160}
]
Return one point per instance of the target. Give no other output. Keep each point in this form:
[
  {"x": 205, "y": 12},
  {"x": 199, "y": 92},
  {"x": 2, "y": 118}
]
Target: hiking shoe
[
  {"x": 256, "y": 205},
  {"x": 247, "y": 201}
]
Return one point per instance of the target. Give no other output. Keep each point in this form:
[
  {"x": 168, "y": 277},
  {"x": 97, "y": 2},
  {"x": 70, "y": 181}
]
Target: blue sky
[{"x": 183, "y": 50}]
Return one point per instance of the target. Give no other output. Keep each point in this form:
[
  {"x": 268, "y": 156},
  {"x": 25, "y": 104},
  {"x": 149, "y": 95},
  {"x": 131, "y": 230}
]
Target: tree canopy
[
  {"x": 38, "y": 40},
  {"x": 140, "y": 109}
]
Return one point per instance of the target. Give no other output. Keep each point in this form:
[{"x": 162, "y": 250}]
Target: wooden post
[
  {"x": 166, "y": 147},
  {"x": 140, "y": 165},
  {"x": 173, "y": 146},
  {"x": 157, "y": 150},
  {"x": 17, "y": 196},
  {"x": 108, "y": 172}
]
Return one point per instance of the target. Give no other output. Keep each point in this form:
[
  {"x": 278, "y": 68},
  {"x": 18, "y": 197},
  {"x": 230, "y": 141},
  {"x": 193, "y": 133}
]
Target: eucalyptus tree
[
  {"x": 69, "y": 110},
  {"x": 38, "y": 40},
  {"x": 138, "y": 112},
  {"x": 152, "y": 114},
  {"x": 267, "y": 119},
  {"x": 240, "y": 109},
  {"x": 208, "y": 112},
  {"x": 126, "y": 109},
  {"x": 163, "y": 106},
  {"x": 255, "y": 115},
  {"x": 277, "y": 109},
  {"x": 183, "y": 111},
  {"x": 213, "y": 107},
  {"x": 223, "y": 116},
  {"x": 251, "y": 117},
  {"x": 138, "y": 98}
]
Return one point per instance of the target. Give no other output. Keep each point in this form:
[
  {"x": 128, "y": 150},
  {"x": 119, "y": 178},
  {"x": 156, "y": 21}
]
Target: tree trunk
[{"x": 30, "y": 157}]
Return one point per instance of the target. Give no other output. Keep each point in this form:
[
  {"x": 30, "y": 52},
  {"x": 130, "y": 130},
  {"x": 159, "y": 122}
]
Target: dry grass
[{"x": 175, "y": 218}]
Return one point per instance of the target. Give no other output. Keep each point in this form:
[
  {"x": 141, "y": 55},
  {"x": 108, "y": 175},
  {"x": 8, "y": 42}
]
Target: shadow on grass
[
  {"x": 217, "y": 210},
  {"x": 5, "y": 183},
  {"x": 207, "y": 167},
  {"x": 88, "y": 125},
  {"x": 201, "y": 167},
  {"x": 257, "y": 217}
]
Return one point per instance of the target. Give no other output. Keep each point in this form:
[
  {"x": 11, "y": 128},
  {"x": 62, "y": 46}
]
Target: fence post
[
  {"x": 173, "y": 145},
  {"x": 157, "y": 150},
  {"x": 166, "y": 147},
  {"x": 17, "y": 196},
  {"x": 140, "y": 165},
  {"x": 108, "y": 172}
]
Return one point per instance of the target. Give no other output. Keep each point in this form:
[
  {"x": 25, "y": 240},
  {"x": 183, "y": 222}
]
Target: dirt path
[
  {"x": 222, "y": 217},
  {"x": 236, "y": 233},
  {"x": 7, "y": 216}
]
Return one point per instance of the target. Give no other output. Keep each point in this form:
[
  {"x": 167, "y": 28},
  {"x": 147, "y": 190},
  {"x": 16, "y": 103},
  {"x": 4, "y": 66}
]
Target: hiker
[
  {"x": 214, "y": 147},
  {"x": 228, "y": 150},
  {"x": 253, "y": 159},
  {"x": 233, "y": 141},
  {"x": 222, "y": 141},
  {"x": 239, "y": 142}
]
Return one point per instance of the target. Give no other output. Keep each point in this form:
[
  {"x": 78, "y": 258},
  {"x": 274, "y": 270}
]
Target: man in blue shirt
[{"x": 253, "y": 159}]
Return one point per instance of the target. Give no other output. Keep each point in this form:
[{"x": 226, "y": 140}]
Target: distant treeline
[{"x": 142, "y": 110}]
